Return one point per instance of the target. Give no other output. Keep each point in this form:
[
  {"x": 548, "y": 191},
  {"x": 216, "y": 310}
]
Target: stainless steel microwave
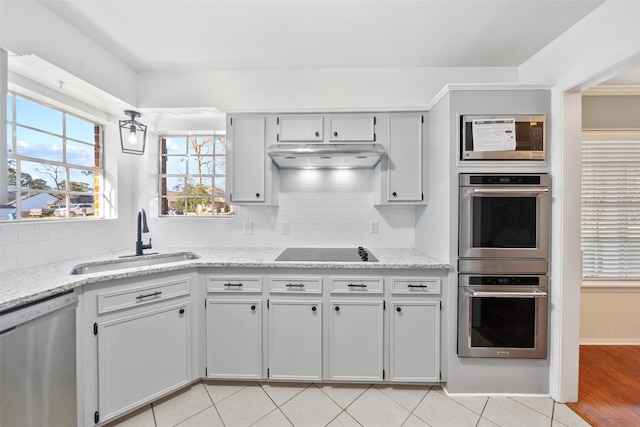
[{"x": 503, "y": 137}]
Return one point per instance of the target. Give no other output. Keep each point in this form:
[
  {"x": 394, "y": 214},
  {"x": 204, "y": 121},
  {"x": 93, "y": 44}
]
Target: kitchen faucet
[{"x": 142, "y": 228}]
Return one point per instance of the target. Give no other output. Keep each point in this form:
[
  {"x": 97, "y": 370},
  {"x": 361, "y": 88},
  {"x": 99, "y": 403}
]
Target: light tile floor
[{"x": 231, "y": 404}]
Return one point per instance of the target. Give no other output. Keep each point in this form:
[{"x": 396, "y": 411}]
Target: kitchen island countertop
[{"x": 25, "y": 285}]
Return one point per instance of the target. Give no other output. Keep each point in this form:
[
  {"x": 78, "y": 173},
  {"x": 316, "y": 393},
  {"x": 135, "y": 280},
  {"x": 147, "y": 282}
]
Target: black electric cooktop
[{"x": 359, "y": 254}]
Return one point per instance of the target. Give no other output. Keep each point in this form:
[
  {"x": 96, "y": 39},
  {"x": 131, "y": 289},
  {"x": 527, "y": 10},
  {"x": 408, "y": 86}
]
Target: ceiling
[
  {"x": 174, "y": 35},
  {"x": 160, "y": 36}
]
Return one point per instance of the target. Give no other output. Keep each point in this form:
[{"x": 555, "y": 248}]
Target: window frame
[
  {"x": 67, "y": 195},
  {"x": 230, "y": 210}
]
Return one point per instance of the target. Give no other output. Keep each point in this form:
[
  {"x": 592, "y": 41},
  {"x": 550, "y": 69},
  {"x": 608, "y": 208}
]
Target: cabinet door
[
  {"x": 405, "y": 158},
  {"x": 295, "y": 340},
  {"x": 296, "y": 128},
  {"x": 356, "y": 340},
  {"x": 234, "y": 339},
  {"x": 415, "y": 341},
  {"x": 355, "y": 128},
  {"x": 247, "y": 155},
  {"x": 142, "y": 356}
]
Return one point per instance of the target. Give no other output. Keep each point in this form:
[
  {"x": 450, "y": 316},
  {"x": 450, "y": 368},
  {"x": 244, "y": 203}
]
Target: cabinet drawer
[
  {"x": 244, "y": 284},
  {"x": 415, "y": 286},
  {"x": 371, "y": 285},
  {"x": 296, "y": 285},
  {"x": 142, "y": 295}
]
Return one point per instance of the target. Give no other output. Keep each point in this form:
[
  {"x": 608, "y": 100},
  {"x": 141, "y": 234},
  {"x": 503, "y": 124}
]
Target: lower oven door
[{"x": 508, "y": 322}]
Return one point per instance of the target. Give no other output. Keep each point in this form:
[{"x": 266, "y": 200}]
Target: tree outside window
[{"x": 193, "y": 175}]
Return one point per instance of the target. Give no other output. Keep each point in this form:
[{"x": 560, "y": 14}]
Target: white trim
[
  {"x": 610, "y": 341},
  {"x": 483, "y": 86},
  {"x": 613, "y": 90},
  {"x": 609, "y": 286}
]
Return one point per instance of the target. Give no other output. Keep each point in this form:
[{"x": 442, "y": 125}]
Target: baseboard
[{"x": 609, "y": 341}]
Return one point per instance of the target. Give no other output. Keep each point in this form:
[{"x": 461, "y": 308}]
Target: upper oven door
[{"x": 504, "y": 216}]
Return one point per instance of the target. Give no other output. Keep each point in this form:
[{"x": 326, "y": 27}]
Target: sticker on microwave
[{"x": 494, "y": 135}]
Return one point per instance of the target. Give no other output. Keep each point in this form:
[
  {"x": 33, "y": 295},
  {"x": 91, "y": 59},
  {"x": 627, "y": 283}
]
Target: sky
[{"x": 47, "y": 143}]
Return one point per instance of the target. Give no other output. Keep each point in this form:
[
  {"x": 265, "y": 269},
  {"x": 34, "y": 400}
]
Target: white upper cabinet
[
  {"x": 352, "y": 128},
  {"x": 405, "y": 155},
  {"x": 252, "y": 179},
  {"x": 296, "y": 128},
  {"x": 326, "y": 128}
]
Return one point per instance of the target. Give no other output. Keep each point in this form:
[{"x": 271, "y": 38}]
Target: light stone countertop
[{"x": 25, "y": 285}]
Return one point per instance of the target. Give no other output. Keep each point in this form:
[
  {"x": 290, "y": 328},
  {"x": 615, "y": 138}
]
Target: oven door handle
[
  {"x": 510, "y": 190},
  {"x": 514, "y": 294}
]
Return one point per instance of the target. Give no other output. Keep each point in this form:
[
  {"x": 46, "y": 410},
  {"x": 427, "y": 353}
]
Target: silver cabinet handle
[
  {"x": 154, "y": 294},
  {"x": 295, "y": 285},
  {"x": 235, "y": 285}
]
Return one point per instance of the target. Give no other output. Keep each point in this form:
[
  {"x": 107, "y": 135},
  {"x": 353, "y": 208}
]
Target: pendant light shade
[{"x": 133, "y": 135}]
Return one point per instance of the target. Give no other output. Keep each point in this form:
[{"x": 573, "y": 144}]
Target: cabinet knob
[
  {"x": 394, "y": 194},
  {"x": 337, "y": 308},
  {"x": 181, "y": 311},
  {"x": 313, "y": 308},
  {"x": 257, "y": 195},
  {"x": 317, "y": 134},
  {"x": 335, "y": 134},
  {"x": 398, "y": 309},
  {"x": 253, "y": 308}
]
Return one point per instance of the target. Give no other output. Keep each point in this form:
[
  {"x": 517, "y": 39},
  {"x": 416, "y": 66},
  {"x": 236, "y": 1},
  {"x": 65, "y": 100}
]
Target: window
[
  {"x": 54, "y": 163},
  {"x": 193, "y": 175},
  {"x": 611, "y": 204}
]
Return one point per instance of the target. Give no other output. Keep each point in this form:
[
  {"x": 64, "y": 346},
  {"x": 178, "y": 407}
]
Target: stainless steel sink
[{"x": 122, "y": 263}]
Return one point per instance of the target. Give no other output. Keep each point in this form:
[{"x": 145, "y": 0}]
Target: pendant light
[{"x": 133, "y": 135}]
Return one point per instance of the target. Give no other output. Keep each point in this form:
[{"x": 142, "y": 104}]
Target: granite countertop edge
[{"x": 50, "y": 279}]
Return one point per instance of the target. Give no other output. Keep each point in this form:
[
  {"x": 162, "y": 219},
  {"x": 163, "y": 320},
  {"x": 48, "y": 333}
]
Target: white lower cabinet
[
  {"x": 141, "y": 339},
  {"x": 295, "y": 340},
  {"x": 142, "y": 356},
  {"x": 415, "y": 341},
  {"x": 234, "y": 338},
  {"x": 136, "y": 343},
  {"x": 356, "y": 340}
]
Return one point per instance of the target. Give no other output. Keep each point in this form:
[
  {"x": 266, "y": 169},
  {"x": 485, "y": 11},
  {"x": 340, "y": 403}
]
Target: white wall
[
  {"x": 322, "y": 208},
  {"x": 610, "y": 315},
  {"x": 605, "y": 41},
  {"x": 610, "y": 311},
  {"x": 611, "y": 112},
  {"x": 364, "y": 89}
]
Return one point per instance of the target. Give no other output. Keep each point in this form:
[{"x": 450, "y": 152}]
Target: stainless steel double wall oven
[{"x": 503, "y": 265}]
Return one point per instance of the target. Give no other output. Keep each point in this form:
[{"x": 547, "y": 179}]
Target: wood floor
[{"x": 609, "y": 385}]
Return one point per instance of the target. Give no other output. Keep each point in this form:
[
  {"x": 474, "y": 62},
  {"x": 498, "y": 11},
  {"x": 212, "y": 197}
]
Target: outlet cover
[
  {"x": 248, "y": 227},
  {"x": 284, "y": 227},
  {"x": 373, "y": 226}
]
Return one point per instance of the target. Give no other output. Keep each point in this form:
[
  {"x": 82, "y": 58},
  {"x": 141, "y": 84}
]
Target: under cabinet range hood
[{"x": 326, "y": 156}]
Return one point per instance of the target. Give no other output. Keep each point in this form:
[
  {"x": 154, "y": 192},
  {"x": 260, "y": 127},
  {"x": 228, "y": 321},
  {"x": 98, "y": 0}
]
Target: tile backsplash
[{"x": 317, "y": 208}]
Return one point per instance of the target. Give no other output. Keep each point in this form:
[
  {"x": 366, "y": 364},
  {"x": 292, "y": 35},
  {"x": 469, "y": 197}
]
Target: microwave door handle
[
  {"x": 507, "y": 294},
  {"x": 510, "y": 190}
]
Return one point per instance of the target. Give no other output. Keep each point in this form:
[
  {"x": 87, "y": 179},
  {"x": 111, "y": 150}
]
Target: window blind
[{"x": 610, "y": 207}]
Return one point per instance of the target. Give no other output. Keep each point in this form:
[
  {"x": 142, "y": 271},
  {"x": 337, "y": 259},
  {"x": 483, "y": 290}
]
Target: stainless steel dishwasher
[{"x": 38, "y": 363}]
